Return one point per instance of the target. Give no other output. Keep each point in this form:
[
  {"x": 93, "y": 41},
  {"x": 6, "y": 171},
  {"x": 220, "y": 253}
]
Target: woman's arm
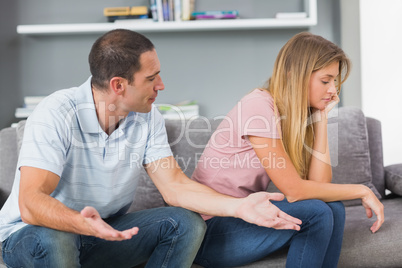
[
  {"x": 288, "y": 181},
  {"x": 320, "y": 165}
]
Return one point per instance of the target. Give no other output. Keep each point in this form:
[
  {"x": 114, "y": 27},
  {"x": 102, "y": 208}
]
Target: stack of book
[
  {"x": 114, "y": 14},
  {"x": 160, "y": 10},
  {"x": 30, "y": 103},
  {"x": 165, "y": 10},
  {"x": 171, "y": 10},
  {"x": 180, "y": 111}
]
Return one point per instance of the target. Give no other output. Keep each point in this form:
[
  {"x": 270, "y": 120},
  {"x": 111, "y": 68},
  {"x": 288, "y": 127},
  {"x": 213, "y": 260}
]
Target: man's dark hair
[{"x": 117, "y": 53}]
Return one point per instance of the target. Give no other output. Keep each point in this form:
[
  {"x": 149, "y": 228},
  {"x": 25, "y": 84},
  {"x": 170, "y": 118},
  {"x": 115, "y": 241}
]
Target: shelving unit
[{"x": 199, "y": 25}]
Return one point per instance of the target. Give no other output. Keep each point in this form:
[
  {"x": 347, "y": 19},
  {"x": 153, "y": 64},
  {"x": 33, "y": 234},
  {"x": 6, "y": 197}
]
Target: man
[{"x": 74, "y": 180}]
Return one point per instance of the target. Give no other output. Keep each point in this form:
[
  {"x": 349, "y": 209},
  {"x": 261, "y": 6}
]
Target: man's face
[{"x": 140, "y": 95}]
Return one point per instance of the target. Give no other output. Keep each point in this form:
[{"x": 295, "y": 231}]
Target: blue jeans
[
  {"x": 234, "y": 242},
  {"x": 167, "y": 237}
]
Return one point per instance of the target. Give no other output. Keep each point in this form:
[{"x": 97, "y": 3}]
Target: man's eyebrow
[{"x": 150, "y": 76}]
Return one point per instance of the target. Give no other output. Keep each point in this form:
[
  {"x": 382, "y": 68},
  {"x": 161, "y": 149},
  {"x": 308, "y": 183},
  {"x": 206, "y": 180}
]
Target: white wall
[
  {"x": 350, "y": 42},
  {"x": 381, "y": 69},
  {"x": 371, "y": 35}
]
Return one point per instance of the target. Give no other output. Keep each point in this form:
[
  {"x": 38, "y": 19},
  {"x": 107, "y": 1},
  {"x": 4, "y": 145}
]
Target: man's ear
[{"x": 118, "y": 84}]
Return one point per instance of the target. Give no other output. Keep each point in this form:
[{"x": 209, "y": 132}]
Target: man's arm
[
  {"x": 37, "y": 207},
  {"x": 178, "y": 190}
]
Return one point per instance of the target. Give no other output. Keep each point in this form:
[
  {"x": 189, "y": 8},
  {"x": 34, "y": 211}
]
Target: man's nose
[{"x": 159, "y": 85}]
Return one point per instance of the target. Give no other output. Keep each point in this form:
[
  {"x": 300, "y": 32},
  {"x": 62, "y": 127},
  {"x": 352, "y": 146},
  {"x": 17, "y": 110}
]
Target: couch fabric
[{"x": 356, "y": 152}]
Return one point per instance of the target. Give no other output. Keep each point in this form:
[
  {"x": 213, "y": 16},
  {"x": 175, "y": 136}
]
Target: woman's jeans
[
  {"x": 234, "y": 242},
  {"x": 167, "y": 237}
]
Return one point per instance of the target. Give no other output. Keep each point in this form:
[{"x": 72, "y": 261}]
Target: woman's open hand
[{"x": 371, "y": 203}]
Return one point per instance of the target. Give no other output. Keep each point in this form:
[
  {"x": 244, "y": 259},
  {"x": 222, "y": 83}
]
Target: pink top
[{"x": 229, "y": 163}]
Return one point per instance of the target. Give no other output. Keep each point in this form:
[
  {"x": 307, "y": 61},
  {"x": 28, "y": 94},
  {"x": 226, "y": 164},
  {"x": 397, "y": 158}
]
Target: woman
[{"x": 279, "y": 134}]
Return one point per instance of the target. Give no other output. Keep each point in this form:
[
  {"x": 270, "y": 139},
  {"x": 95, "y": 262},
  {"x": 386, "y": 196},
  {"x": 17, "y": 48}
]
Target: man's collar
[{"x": 86, "y": 112}]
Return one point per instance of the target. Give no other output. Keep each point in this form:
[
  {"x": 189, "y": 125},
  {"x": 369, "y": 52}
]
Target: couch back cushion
[
  {"x": 187, "y": 140},
  {"x": 8, "y": 162},
  {"x": 376, "y": 154},
  {"x": 349, "y": 149}
]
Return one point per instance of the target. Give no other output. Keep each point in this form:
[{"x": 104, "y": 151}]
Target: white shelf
[
  {"x": 199, "y": 25},
  {"x": 237, "y": 24},
  {"x": 150, "y": 26}
]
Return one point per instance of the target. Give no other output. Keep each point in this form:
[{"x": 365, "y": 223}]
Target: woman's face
[{"x": 322, "y": 88}]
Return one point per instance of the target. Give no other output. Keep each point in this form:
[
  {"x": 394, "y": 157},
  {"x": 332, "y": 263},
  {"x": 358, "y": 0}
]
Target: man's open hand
[
  {"x": 257, "y": 209},
  {"x": 101, "y": 229}
]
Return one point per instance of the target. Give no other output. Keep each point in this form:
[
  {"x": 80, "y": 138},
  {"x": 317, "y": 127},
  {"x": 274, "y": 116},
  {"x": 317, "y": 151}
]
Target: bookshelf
[{"x": 197, "y": 25}]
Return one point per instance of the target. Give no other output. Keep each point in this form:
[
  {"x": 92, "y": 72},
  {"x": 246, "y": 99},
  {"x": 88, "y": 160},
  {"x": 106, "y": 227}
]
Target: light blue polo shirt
[{"x": 63, "y": 136}]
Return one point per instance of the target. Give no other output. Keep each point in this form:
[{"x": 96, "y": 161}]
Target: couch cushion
[
  {"x": 349, "y": 149},
  {"x": 361, "y": 248},
  {"x": 8, "y": 162},
  {"x": 376, "y": 154},
  {"x": 187, "y": 140},
  {"x": 146, "y": 195},
  {"x": 20, "y": 134},
  {"x": 393, "y": 178}
]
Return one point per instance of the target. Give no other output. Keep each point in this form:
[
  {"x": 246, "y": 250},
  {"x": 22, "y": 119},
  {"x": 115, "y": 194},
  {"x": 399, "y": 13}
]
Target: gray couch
[{"x": 356, "y": 153}]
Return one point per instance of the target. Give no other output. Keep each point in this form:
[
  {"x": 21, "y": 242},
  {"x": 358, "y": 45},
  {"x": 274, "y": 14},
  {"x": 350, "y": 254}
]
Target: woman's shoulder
[
  {"x": 258, "y": 93},
  {"x": 257, "y": 98}
]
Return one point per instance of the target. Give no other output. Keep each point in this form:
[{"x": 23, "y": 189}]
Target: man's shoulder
[
  {"x": 59, "y": 98},
  {"x": 55, "y": 109}
]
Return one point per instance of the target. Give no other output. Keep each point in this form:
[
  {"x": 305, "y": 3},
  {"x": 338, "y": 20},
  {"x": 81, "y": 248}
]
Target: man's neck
[{"x": 106, "y": 111}]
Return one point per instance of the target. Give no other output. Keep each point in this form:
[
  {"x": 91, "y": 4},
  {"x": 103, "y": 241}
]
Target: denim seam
[
  {"x": 305, "y": 244},
  {"x": 173, "y": 243}
]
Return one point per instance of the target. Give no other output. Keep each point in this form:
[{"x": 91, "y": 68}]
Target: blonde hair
[{"x": 302, "y": 55}]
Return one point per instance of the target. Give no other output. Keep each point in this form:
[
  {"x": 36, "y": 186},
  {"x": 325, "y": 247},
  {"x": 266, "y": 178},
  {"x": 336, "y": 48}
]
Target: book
[
  {"x": 187, "y": 8},
  {"x": 121, "y": 13},
  {"x": 171, "y": 10},
  {"x": 218, "y": 16},
  {"x": 177, "y": 10},
  {"x": 116, "y": 11},
  {"x": 33, "y": 100},
  {"x": 30, "y": 103},
  {"x": 154, "y": 10},
  {"x": 126, "y": 21},
  {"x": 139, "y": 10},
  {"x": 130, "y": 17},
  {"x": 216, "y": 12},
  {"x": 179, "y": 111},
  {"x": 159, "y": 8},
  {"x": 23, "y": 112},
  {"x": 165, "y": 8}
]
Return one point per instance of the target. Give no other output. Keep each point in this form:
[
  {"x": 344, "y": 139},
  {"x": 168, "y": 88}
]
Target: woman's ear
[{"x": 117, "y": 84}]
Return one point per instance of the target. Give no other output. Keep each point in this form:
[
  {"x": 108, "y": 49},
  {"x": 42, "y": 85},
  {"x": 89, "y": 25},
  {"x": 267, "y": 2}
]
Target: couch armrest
[{"x": 393, "y": 178}]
